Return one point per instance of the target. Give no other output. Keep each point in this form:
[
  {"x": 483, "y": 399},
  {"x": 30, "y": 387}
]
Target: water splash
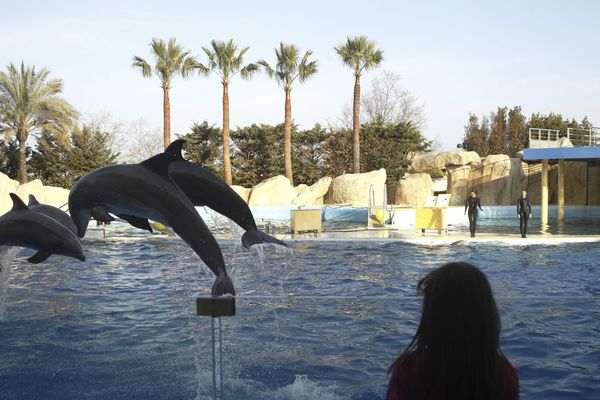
[
  {"x": 7, "y": 255},
  {"x": 305, "y": 389}
]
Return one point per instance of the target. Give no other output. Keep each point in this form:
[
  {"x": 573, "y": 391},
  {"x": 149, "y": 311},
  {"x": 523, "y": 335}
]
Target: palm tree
[
  {"x": 359, "y": 54},
  {"x": 29, "y": 104},
  {"x": 226, "y": 61},
  {"x": 288, "y": 68},
  {"x": 170, "y": 60}
]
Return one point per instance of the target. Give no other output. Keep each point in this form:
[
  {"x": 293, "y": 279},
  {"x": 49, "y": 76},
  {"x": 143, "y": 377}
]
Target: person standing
[
  {"x": 471, "y": 205},
  {"x": 523, "y": 212}
]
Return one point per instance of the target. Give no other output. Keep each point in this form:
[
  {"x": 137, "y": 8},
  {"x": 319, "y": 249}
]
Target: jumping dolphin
[
  {"x": 204, "y": 188},
  {"x": 52, "y": 212},
  {"x": 145, "y": 191},
  {"x": 26, "y": 228}
]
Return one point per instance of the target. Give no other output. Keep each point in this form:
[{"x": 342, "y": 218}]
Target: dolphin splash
[
  {"x": 204, "y": 188},
  {"x": 138, "y": 192},
  {"x": 26, "y": 228}
]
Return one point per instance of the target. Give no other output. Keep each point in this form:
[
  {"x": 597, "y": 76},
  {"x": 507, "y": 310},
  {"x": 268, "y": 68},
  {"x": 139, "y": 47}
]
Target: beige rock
[
  {"x": 354, "y": 188},
  {"x": 243, "y": 192},
  {"x": 301, "y": 187},
  {"x": 458, "y": 183},
  {"x": 440, "y": 185},
  {"x": 414, "y": 189},
  {"x": 428, "y": 162},
  {"x": 35, "y": 188},
  {"x": 274, "y": 191},
  {"x": 55, "y": 196},
  {"x": 313, "y": 194},
  {"x": 492, "y": 180},
  {"x": 7, "y": 186},
  {"x": 564, "y": 142}
]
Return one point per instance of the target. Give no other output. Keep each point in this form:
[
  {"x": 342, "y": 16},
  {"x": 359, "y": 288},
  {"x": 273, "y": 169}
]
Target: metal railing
[{"x": 579, "y": 137}]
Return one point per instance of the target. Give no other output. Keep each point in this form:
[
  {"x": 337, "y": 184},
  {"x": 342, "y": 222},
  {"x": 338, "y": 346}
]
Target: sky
[{"x": 456, "y": 57}]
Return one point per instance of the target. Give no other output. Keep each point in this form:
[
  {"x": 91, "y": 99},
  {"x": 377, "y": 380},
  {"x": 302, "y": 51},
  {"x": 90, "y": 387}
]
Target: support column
[
  {"x": 561, "y": 191},
  {"x": 544, "y": 214}
]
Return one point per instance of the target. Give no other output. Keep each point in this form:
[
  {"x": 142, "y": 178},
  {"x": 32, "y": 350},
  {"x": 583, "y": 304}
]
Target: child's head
[{"x": 458, "y": 310}]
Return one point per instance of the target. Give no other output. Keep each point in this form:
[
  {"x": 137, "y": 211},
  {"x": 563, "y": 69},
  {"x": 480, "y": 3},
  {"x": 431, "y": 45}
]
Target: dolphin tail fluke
[
  {"x": 252, "y": 237},
  {"x": 223, "y": 285}
]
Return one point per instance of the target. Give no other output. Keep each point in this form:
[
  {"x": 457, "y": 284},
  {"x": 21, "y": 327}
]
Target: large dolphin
[
  {"x": 138, "y": 192},
  {"x": 26, "y": 228},
  {"x": 204, "y": 188},
  {"x": 52, "y": 212}
]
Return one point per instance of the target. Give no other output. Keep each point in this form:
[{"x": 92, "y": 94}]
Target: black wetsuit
[
  {"x": 523, "y": 211},
  {"x": 471, "y": 205}
]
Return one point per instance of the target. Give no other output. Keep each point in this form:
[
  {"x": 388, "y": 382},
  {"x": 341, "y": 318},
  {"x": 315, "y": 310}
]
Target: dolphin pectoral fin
[
  {"x": 223, "y": 285},
  {"x": 39, "y": 257},
  {"x": 141, "y": 223},
  {"x": 252, "y": 237},
  {"x": 175, "y": 149},
  {"x": 100, "y": 213}
]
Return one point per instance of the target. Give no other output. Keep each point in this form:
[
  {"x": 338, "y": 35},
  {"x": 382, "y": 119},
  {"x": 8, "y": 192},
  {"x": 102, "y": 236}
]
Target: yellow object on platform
[
  {"x": 380, "y": 216},
  {"x": 431, "y": 219},
  {"x": 159, "y": 226}
]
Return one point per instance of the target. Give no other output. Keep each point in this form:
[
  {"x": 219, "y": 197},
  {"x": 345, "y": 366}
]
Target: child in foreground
[{"x": 455, "y": 353}]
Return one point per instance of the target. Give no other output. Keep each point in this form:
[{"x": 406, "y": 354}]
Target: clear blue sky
[{"x": 456, "y": 57}]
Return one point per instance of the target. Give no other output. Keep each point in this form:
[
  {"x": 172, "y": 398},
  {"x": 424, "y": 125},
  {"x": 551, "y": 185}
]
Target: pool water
[{"x": 323, "y": 324}]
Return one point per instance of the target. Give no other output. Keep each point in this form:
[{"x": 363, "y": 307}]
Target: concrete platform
[{"x": 452, "y": 238}]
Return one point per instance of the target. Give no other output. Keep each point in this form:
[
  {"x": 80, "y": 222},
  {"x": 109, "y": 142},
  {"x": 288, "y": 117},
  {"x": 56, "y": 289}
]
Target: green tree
[
  {"x": 516, "y": 131},
  {"x": 307, "y": 154},
  {"x": 498, "y": 131},
  {"x": 392, "y": 146},
  {"x": 289, "y": 68},
  {"x": 360, "y": 54},
  {"x": 90, "y": 149},
  {"x": 337, "y": 159},
  {"x": 257, "y": 154},
  {"x": 226, "y": 61},
  {"x": 170, "y": 60},
  {"x": 476, "y": 136},
  {"x": 9, "y": 158},
  {"x": 203, "y": 145},
  {"x": 30, "y": 104}
]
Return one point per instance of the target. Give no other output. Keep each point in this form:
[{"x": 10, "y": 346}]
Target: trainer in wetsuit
[
  {"x": 523, "y": 213},
  {"x": 471, "y": 205}
]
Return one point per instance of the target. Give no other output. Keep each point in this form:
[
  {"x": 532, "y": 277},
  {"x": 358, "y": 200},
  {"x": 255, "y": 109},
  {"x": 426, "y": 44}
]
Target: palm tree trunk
[
  {"x": 22, "y": 138},
  {"x": 287, "y": 136},
  {"x": 356, "y": 125},
  {"x": 226, "y": 149},
  {"x": 166, "y": 118}
]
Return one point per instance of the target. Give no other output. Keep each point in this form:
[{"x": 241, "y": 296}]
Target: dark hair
[{"x": 456, "y": 346}]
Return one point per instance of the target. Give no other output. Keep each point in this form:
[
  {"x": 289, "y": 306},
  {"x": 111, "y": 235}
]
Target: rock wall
[
  {"x": 54, "y": 196},
  {"x": 414, "y": 189},
  {"x": 354, "y": 188}
]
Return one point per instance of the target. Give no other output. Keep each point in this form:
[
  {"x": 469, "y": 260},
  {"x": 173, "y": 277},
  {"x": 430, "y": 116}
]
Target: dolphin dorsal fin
[
  {"x": 159, "y": 164},
  {"x": 175, "y": 149},
  {"x": 18, "y": 203},
  {"x": 32, "y": 201}
]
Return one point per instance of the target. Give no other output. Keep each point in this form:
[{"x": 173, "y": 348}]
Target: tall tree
[
  {"x": 203, "y": 145},
  {"x": 516, "y": 131},
  {"x": 289, "y": 68},
  {"x": 498, "y": 132},
  {"x": 30, "y": 104},
  {"x": 226, "y": 61},
  {"x": 360, "y": 54},
  {"x": 170, "y": 60},
  {"x": 476, "y": 136}
]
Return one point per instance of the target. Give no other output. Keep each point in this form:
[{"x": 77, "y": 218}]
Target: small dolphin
[
  {"x": 204, "y": 188},
  {"x": 52, "y": 212},
  {"x": 26, "y": 228},
  {"x": 145, "y": 191}
]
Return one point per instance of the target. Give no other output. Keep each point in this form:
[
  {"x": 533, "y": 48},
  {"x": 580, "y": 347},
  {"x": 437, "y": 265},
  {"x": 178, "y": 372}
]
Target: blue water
[{"x": 325, "y": 325}]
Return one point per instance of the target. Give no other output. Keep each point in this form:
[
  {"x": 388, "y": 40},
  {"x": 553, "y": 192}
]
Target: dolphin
[
  {"x": 26, "y": 228},
  {"x": 52, "y": 212},
  {"x": 145, "y": 191},
  {"x": 204, "y": 188}
]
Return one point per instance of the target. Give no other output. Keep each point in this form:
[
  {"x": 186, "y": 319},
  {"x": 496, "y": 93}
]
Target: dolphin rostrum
[
  {"x": 138, "y": 192},
  {"x": 204, "y": 188},
  {"x": 26, "y": 228},
  {"x": 52, "y": 212}
]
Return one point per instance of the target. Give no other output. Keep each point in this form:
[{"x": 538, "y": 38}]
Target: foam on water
[{"x": 7, "y": 255}]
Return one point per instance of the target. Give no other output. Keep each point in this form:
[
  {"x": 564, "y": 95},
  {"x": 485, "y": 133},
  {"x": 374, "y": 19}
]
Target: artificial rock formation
[
  {"x": 429, "y": 162},
  {"x": 414, "y": 189},
  {"x": 54, "y": 196},
  {"x": 313, "y": 194},
  {"x": 275, "y": 191},
  {"x": 243, "y": 192},
  {"x": 354, "y": 189}
]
